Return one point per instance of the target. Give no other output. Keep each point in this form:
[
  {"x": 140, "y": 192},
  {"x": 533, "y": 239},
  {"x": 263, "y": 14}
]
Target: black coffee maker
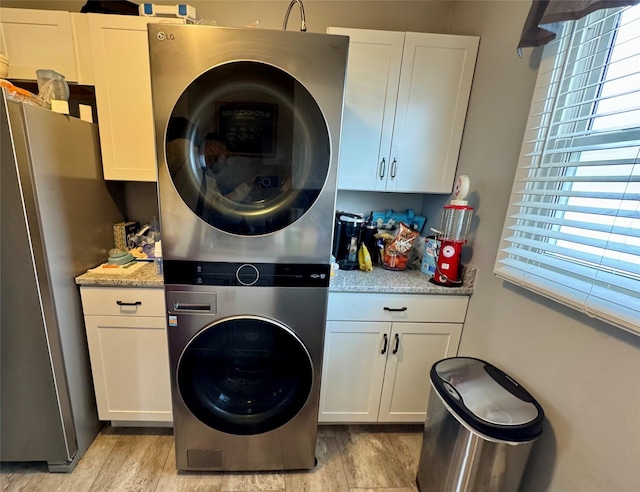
[{"x": 346, "y": 239}]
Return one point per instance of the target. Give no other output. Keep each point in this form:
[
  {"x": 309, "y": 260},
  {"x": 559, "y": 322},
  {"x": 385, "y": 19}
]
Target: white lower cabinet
[
  {"x": 127, "y": 338},
  {"x": 379, "y": 349}
]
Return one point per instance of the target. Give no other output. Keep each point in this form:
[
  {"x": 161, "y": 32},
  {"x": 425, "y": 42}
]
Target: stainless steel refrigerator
[{"x": 56, "y": 220}]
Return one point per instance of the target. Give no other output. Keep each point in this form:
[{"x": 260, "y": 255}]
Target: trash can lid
[{"x": 487, "y": 399}]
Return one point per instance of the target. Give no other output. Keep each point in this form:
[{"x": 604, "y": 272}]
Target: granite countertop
[
  {"x": 145, "y": 276},
  {"x": 405, "y": 282},
  {"x": 379, "y": 280}
]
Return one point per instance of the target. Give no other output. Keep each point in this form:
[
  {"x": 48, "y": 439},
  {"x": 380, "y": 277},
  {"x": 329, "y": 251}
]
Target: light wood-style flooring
[{"x": 362, "y": 458}]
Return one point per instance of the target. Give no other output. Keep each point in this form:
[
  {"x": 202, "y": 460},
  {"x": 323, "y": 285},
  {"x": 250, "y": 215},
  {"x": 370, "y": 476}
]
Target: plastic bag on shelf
[
  {"x": 22, "y": 95},
  {"x": 52, "y": 85}
]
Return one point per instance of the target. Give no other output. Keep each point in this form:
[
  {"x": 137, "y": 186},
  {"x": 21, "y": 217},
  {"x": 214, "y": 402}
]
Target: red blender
[{"x": 456, "y": 219}]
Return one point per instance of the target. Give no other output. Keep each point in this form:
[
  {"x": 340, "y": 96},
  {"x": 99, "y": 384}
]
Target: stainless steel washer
[
  {"x": 246, "y": 360},
  {"x": 247, "y": 134}
]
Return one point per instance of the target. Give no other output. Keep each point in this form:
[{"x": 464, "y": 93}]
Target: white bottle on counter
[{"x": 157, "y": 257}]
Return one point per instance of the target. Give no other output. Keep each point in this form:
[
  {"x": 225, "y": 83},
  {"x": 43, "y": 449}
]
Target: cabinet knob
[
  {"x": 383, "y": 165},
  {"x": 386, "y": 341},
  {"x": 394, "y": 168}
]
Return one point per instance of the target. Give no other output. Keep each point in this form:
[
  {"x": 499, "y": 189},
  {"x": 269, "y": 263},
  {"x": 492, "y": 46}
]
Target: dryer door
[
  {"x": 245, "y": 375},
  {"x": 248, "y": 148}
]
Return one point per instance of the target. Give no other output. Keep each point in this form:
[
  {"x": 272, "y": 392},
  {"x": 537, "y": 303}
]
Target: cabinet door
[
  {"x": 35, "y": 39},
  {"x": 353, "y": 370},
  {"x": 123, "y": 95},
  {"x": 373, "y": 72},
  {"x": 82, "y": 42},
  {"x": 435, "y": 84},
  {"x": 414, "y": 348},
  {"x": 130, "y": 365}
]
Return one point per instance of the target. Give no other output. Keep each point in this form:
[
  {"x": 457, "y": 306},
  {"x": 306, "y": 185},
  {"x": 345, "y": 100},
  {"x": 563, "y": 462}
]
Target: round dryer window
[
  {"x": 247, "y": 148},
  {"x": 245, "y": 375}
]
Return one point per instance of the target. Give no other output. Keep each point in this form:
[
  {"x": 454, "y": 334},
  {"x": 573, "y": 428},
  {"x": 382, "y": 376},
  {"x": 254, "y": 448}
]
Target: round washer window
[
  {"x": 247, "y": 148},
  {"x": 245, "y": 375}
]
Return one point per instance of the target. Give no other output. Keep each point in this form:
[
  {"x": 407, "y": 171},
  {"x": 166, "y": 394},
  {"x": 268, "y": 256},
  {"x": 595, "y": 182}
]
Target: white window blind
[{"x": 572, "y": 231}]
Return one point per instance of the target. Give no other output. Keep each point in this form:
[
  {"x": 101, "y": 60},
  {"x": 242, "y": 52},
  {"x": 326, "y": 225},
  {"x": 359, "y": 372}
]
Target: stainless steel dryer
[
  {"x": 274, "y": 99},
  {"x": 246, "y": 355}
]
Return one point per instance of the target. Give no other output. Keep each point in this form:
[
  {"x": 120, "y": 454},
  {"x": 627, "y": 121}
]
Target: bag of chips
[{"x": 397, "y": 250}]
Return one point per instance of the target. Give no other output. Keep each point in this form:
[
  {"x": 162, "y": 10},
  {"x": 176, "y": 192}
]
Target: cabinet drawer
[
  {"x": 122, "y": 301},
  {"x": 396, "y": 307}
]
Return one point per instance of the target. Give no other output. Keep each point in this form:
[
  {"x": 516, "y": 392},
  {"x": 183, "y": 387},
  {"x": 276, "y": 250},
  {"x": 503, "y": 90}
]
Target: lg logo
[{"x": 162, "y": 36}]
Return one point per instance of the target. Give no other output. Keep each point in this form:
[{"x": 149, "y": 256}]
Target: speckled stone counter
[
  {"x": 406, "y": 282},
  {"x": 143, "y": 277},
  {"x": 379, "y": 280}
]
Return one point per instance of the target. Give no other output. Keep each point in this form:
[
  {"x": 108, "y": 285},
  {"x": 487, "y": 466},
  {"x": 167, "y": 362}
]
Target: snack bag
[
  {"x": 382, "y": 238},
  {"x": 396, "y": 252}
]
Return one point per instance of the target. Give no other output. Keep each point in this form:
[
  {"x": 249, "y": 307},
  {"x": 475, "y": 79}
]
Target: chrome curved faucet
[{"x": 303, "y": 22}]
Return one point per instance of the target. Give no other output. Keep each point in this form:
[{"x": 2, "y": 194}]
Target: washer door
[
  {"x": 245, "y": 375},
  {"x": 247, "y": 148}
]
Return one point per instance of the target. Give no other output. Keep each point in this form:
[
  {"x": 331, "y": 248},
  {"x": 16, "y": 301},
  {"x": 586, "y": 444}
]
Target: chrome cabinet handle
[
  {"x": 394, "y": 168},
  {"x": 383, "y": 164},
  {"x": 395, "y": 350},
  {"x": 395, "y": 309},
  {"x": 386, "y": 341},
  {"x": 122, "y": 303}
]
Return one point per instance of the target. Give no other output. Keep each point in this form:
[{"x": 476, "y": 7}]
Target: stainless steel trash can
[{"x": 480, "y": 427}]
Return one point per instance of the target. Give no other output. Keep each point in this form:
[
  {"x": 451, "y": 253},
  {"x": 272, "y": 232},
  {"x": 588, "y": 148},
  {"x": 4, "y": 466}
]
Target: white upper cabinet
[
  {"x": 82, "y": 44},
  {"x": 405, "y": 105},
  {"x": 35, "y": 39},
  {"x": 120, "y": 51},
  {"x": 373, "y": 74}
]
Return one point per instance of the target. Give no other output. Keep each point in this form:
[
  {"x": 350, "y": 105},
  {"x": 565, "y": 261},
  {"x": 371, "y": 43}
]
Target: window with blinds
[{"x": 572, "y": 231}]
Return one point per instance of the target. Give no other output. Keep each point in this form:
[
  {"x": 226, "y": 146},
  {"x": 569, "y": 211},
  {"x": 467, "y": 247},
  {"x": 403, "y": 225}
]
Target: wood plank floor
[{"x": 362, "y": 458}]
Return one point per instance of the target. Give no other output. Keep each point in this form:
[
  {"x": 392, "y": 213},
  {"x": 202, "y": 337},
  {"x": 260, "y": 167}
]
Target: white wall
[
  {"x": 585, "y": 374},
  {"x": 420, "y": 16},
  {"x": 366, "y": 202}
]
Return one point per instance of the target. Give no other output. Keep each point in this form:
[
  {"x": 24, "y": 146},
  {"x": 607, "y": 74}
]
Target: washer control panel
[{"x": 246, "y": 274}]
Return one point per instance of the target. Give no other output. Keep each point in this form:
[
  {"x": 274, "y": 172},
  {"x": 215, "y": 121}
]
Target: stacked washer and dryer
[{"x": 246, "y": 273}]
